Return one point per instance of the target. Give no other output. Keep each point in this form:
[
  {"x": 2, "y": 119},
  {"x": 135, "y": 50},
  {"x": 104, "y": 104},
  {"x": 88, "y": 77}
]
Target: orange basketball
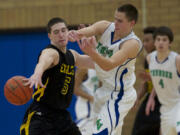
[{"x": 15, "y": 92}]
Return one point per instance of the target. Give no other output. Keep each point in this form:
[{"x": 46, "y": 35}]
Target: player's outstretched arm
[
  {"x": 129, "y": 49},
  {"x": 47, "y": 59},
  {"x": 97, "y": 28}
]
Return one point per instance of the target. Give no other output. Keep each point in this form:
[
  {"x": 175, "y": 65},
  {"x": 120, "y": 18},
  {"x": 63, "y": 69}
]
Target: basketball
[{"x": 15, "y": 92}]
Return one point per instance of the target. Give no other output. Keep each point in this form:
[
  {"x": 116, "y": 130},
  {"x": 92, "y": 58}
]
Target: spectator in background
[{"x": 143, "y": 124}]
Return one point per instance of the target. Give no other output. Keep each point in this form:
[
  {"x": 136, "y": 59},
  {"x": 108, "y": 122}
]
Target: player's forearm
[
  {"x": 87, "y": 32},
  {"x": 153, "y": 93},
  {"x": 42, "y": 66},
  {"x": 39, "y": 69},
  {"x": 104, "y": 63}
]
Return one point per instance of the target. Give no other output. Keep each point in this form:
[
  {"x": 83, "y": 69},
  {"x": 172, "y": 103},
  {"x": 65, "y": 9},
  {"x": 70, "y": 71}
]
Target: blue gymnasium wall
[{"x": 18, "y": 56}]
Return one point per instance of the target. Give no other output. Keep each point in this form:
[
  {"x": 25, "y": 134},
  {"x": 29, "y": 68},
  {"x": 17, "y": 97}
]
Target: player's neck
[
  {"x": 118, "y": 35},
  {"x": 61, "y": 48},
  {"x": 161, "y": 56}
]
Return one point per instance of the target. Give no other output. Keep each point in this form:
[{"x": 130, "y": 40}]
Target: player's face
[
  {"x": 148, "y": 42},
  {"x": 162, "y": 43},
  {"x": 59, "y": 34},
  {"x": 122, "y": 24}
]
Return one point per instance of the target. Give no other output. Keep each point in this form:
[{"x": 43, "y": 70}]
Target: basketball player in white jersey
[
  {"x": 87, "y": 81},
  {"x": 114, "y": 57},
  {"x": 164, "y": 66}
]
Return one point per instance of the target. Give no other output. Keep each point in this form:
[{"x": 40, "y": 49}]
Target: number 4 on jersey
[{"x": 161, "y": 83}]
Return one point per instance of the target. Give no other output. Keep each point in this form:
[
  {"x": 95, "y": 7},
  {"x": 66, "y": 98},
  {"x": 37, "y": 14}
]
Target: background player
[
  {"x": 143, "y": 124},
  {"x": 164, "y": 66}
]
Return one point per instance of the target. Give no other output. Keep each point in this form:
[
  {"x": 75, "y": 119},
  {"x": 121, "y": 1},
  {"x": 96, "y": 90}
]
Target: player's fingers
[
  {"x": 25, "y": 79},
  {"x": 31, "y": 85},
  {"x": 152, "y": 107},
  {"x": 83, "y": 42},
  {"x": 36, "y": 85},
  {"x": 86, "y": 42},
  {"x": 26, "y": 83},
  {"x": 71, "y": 36},
  {"x": 41, "y": 84},
  {"x": 147, "y": 110}
]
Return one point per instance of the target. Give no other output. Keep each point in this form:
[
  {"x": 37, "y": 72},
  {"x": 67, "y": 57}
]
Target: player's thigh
[
  {"x": 35, "y": 124},
  {"x": 73, "y": 130},
  {"x": 167, "y": 128},
  {"x": 103, "y": 124}
]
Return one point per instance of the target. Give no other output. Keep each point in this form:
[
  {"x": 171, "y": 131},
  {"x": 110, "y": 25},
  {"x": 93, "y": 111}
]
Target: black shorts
[
  {"x": 41, "y": 122},
  {"x": 147, "y": 125}
]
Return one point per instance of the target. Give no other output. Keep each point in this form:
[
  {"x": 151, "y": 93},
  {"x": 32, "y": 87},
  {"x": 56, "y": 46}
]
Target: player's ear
[
  {"x": 49, "y": 35},
  {"x": 133, "y": 23}
]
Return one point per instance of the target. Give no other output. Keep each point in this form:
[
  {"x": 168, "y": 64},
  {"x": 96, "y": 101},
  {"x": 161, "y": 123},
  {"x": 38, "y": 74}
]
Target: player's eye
[{"x": 56, "y": 32}]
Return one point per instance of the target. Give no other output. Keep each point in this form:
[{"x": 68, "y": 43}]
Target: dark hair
[
  {"x": 164, "y": 31},
  {"x": 149, "y": 30},
  {"x": 54, "y": 21},
  {"x": 130, "y": 11}
]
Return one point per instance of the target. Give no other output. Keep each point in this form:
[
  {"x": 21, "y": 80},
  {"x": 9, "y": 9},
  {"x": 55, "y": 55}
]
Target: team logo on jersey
[
  {"x": 103, "y": 50},
  {"x": 161, "y": 73},
  {"x": 99, "y": 124},
  {"x": 67, "y": 69}
]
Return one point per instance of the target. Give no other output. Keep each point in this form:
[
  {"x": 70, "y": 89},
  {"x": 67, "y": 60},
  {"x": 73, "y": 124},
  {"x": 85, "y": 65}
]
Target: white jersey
[
  {"x": 122, "y": 76},
  {"x": 92, "y": 83},
  {"x": 165, "y": 78},
  {"x": 82, "y": 105}
]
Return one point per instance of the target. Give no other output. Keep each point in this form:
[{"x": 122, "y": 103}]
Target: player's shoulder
[
  {"x": 149, "y": 56},
  {"x": 178, "y": 62},
  {"x": 178, "y": 58},
  {"x": 50, "y": 51},
  {"x": 131, "y": 43}
]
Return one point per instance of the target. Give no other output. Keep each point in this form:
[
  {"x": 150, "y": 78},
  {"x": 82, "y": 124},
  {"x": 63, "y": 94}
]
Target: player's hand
[
  {"x": 88, "y": 45},
  {"x": 34, "y": 80},
  {"x": 73, "y": 36},
  {"x": 150, "y": 106}
]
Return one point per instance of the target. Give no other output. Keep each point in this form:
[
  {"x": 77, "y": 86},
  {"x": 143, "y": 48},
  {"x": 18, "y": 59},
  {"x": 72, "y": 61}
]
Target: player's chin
[{"x": 63, "y": 43}]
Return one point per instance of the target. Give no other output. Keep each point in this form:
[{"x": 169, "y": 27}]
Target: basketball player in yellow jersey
[
  {"x": 115, "y": 57},
  {"x": 53, "y": 79}
]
